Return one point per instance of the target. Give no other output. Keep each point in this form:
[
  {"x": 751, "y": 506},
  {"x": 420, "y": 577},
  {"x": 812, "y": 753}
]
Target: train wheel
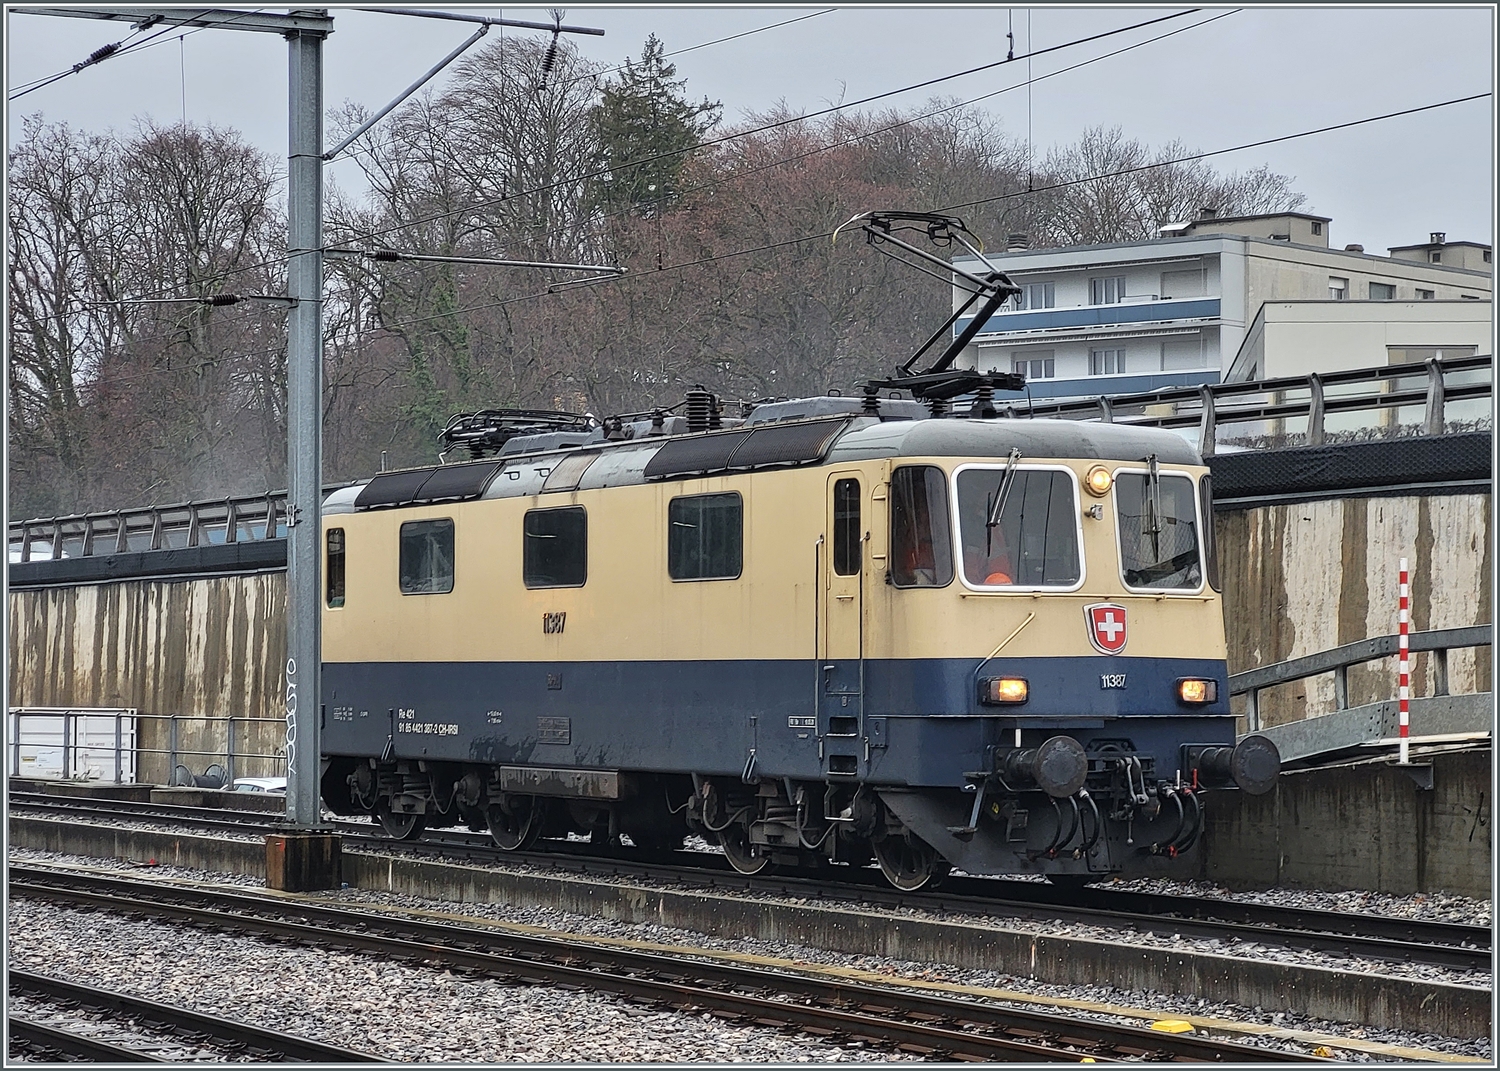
[
  {"x": 398, "y": 824},
  {"x": 739, "y": 851},
  {"x": 516, "y": 825},
  {"x": 908, "y": 862}
]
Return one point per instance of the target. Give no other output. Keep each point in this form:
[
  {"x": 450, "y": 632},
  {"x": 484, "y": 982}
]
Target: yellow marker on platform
[{"x": 1173, "y": 1026}]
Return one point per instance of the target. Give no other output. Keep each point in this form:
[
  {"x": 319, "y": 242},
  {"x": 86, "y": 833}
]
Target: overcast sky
[{"x": 1258, "y": 73}]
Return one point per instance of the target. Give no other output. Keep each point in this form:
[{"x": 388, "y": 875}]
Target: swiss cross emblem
[{"x": 1106, "y": 627}]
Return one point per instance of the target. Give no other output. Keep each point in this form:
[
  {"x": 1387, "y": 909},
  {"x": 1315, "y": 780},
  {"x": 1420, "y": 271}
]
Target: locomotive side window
[
  {"x": 705, "y": 537},
  {"x": 1210, "y": 541},
  {"x": 921, "y": 553},
  {"x": 427, "y": 557},
  {"x": 847, "y": 547},
  {"x": 557, "y": 548},
  {"x": 1030, "y": 539},
  {"x": 335, "y": 570},
  {"x": 1158, "y": 529}
]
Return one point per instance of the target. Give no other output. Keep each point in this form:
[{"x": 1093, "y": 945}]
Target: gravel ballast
[
  {"x": 361, "y": 1002},
  {"x": 549, "y": 1023}
]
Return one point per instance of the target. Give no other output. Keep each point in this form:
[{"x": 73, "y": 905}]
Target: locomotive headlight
[
  {"x": 1196, "y": 691},
  {"x": 1099, "y": 481},
  {"x": 1003, "y": 690}
]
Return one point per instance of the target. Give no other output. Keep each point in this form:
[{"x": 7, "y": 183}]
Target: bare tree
[
  {"x": 1109, "y": 188},
  {"x": 64, "y": 260},
  {"x": 114, "y": 398}
]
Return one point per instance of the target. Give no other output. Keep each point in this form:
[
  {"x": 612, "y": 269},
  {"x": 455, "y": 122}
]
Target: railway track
[
  {"x": 1444, "y": 944},
  {"x": 168, "y": 1021},
  {"x": 49, "y": 1043},
  {"x": 934, "y": 1026}
]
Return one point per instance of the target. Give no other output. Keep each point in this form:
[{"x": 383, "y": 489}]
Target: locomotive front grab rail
[{"x": 1338, "y": 660}]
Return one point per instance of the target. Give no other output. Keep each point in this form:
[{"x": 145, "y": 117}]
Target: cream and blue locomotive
[
  {"x": 995, "y": 644},
  {"x": 834, "y": 631}
]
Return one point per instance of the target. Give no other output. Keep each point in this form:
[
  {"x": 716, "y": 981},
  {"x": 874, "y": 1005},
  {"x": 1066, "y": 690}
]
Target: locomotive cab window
[
  {"x": 1158, "y": 532},
  {"x": 1019, "y": 527},
  {"x": 705, "y": 537},
  {"x": 427, "y": 557},
  {"x": 847, "y": 546},
  {"x": 921, "y": 550},
  {"x": 335, "y": 568},
  {"x": 557, "y": 548}
]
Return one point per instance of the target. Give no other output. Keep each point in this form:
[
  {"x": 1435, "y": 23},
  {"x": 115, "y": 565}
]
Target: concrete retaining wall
[
  {"x": 1359, "y": 826},
  {"x": 205, "y": 648},
  {"x": 1307, "y": 576}
]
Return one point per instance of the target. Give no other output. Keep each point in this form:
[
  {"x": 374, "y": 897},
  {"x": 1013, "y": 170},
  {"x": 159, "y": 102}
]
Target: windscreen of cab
[
  {"x": 1031, "y": 541},
  {"x": 1158, "y": 529}
]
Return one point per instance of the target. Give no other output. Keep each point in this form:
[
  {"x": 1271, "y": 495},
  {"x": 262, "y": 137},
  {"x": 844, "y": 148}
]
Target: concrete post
[{"x": 304, "y": 424}]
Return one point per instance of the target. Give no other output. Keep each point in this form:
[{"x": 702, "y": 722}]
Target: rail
[
  {"x": 1338, "y": 660},
  {"x": 1385, "y": 388},
  {"x": 126, "y": 748}
]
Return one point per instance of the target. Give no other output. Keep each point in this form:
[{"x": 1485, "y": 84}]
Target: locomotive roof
[
  {"x": 996, "y": 438},
  {"x": 839, "y": 441}
]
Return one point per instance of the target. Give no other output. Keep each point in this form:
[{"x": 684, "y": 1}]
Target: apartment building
[{"x": 1256, "y": 295}]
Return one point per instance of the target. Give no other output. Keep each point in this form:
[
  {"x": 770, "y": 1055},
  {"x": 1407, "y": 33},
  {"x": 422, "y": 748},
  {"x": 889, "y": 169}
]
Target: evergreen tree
[{"x": 647, "y": 128}]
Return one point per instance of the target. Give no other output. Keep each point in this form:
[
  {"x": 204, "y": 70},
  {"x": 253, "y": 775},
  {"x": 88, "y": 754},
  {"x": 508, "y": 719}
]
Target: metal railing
[
  {"x": 1385, "y": 389},
  {"x": 1338, "y": 660},
  {"x": 66, "y": 730},
  {"x": 183, "y": 524},
  {"x": 127, "y": 748}
]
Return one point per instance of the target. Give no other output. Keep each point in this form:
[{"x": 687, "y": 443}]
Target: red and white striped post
[{"x": 1405, "y": 667}]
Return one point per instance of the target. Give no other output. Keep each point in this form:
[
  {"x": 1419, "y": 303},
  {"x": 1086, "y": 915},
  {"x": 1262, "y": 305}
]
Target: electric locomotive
[{"x": 829, "y": 631}]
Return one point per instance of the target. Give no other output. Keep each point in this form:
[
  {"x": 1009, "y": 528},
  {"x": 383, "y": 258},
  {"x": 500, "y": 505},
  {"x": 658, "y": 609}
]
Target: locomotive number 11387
[{"x": 1111, "y": 680}]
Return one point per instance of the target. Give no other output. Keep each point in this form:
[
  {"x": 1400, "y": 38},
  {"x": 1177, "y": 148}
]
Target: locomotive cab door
[{"x": 841, "y": 668}]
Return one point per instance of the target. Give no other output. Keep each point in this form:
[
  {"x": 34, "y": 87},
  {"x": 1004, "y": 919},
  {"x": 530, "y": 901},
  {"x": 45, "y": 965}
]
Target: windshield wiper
[
  {"x": 1153, "y": 506},
  {"x": 1007, "y": 480}
]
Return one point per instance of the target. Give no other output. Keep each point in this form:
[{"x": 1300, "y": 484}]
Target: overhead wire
[
  {"x": 120, "y": 49},
  {"x": 706, "y": 44},
  {"x": 741, "y": 174},
  {"x": 356, "y": 150},
  {"x": 771, "y": 247},
  {"x": 380, "y": 232},
  {"x": 98, "y": 56},
  {"x": 596, "y": 76},
  {"x": 1192, "y": 158},
  {"x": 774, "y": 125},
  {"x": 876, "y": 132}
]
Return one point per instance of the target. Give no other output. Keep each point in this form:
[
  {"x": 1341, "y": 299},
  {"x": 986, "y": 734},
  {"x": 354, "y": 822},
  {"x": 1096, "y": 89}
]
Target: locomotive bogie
[{"x": 940, "y": 645}]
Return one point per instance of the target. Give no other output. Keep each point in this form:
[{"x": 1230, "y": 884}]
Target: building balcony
[{"x": 1129, "y": 312}]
